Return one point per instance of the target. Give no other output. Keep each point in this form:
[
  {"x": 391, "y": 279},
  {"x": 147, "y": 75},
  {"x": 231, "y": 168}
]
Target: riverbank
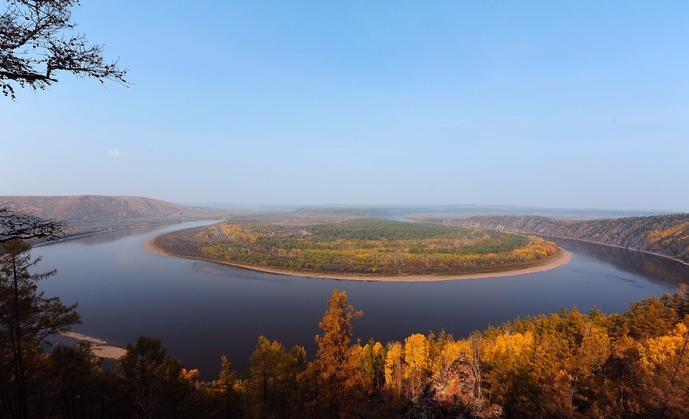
[
  {"x": 111, "y": 229},
  {"x": 630, "y": 249},
  {"x": 561, "y": 259}
]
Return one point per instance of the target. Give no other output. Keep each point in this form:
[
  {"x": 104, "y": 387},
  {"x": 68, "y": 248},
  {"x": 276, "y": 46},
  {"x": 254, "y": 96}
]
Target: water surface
[{"x": 201, "y": 310}]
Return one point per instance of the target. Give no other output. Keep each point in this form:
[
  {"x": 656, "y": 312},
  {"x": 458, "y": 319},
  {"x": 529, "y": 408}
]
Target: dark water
[{"x": 202, "y": 310}]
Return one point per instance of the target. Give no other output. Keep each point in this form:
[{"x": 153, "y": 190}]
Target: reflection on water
[
  {"x": 114, "y": 235},
  {"x": 202, "y": 310},
  {"x": 652, "y": 267},
  {"x": 109, "y": 235}
]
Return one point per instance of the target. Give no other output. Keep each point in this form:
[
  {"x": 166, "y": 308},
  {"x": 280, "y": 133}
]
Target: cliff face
[
  {"x": 667, "y": 235},
  {"x": 453, "y": 395}
]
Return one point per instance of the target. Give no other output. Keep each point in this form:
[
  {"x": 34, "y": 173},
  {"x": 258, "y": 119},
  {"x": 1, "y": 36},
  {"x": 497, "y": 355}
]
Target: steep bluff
[{"x": 667, "y": 235}]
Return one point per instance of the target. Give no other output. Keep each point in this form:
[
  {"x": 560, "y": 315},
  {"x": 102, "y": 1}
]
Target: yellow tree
[
  {"x": 508, "y": 356},
  {"x": 393, "y": 367},
  {"x": 588, "y": 367},
  {"x": 553, "y": 397},
  {"x": 665, "y": 363},
  {"x": 417, "y": 361}
]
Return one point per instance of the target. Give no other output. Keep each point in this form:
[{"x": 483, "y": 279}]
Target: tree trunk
[{"x": 22, "y": 407}]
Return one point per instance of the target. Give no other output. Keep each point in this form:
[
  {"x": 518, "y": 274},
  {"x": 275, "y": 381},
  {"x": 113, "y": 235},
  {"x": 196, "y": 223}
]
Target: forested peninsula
[
  {"x": 665, "y": 235},
  {"x": 361, "y": 248}
]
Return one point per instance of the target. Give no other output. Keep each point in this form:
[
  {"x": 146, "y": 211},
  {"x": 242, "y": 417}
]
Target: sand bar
[{"x": 100, "y": 347}]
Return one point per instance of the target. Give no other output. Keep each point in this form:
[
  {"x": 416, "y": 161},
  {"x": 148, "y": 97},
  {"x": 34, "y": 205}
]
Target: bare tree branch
[
  {"x": 35, "y": 44},
  {"x": 20, "y": 225}
]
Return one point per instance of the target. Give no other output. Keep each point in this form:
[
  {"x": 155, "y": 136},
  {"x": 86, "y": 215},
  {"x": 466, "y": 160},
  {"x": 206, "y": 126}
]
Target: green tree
[
  {"x": 27, "y": 318},
  {"x": 272, "y": 382},
  {"x": 227, "y": 379},
  {"x": 373, "y": 364},
  {"x": 154, "y": 381},
  {"x": 75, "y": 382}
]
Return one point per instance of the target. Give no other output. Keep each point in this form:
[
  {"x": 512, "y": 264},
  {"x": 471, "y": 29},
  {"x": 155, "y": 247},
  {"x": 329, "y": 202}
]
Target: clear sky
[{"x": 557, "y": 103}]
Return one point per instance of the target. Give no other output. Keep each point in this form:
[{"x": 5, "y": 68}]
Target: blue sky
[{"x": 555, "y": 104}]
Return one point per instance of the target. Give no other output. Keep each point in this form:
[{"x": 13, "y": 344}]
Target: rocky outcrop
[{"x": 452, "y": 395}]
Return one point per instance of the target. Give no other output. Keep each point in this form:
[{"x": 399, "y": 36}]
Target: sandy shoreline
[
  {"x": 562, "y": 259},
  {"x": 100, "y": 347}
]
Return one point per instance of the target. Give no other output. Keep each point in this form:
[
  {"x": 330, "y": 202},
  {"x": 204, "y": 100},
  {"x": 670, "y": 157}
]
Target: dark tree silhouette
[
  {"x": 27, "y": 318},
  {"x": 20, "y": 225},
  {"x": 154, "y": 381},
  {"x": 37, "y": 42}
]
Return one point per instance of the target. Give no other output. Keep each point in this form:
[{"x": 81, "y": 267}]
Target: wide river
[{"x": 202, "y": 310}]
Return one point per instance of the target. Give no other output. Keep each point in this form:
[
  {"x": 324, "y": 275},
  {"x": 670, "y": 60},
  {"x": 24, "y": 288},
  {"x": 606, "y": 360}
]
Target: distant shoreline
[
  {"x": 629, "y": 249},
  {"x": 113, "y": 229},
  {"x": 561, "y": 259}
]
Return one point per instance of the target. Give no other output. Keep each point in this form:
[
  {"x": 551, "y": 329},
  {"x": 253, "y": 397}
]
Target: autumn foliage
[
  {"x": 566, "y": 364},
  {"x": 562, "y": 365},
  {"x": 364, "y": 247}
]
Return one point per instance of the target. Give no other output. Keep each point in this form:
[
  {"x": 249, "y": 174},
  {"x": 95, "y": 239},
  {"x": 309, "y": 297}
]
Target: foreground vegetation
[
  {"x": 566, "y": 364},
  {"x": 361, "y": 247}
]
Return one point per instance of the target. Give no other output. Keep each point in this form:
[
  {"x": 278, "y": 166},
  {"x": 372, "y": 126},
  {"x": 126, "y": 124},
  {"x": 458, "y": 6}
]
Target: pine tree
[
  {"x": 27, "y": 318},
  {"x": 333, "y": 347}
]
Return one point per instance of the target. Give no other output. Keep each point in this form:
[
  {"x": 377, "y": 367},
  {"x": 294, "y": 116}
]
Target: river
[{"x": 201, "y": 310}]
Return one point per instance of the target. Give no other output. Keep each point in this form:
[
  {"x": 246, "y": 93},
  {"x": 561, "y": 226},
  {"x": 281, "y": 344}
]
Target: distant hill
[
  {"x": 465, "y": 210},
  {"x": 81, "y": 212},
  {"x": 667, "y": 235},
  {"x": 431, "y": 213}
]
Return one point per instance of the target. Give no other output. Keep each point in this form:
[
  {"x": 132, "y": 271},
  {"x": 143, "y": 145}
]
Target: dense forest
[
  {"x": 361, "y": 247},
  {"x": 666, "y": 235}
]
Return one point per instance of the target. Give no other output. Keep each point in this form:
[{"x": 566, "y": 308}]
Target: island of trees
[{"x": 360, "y": 247}]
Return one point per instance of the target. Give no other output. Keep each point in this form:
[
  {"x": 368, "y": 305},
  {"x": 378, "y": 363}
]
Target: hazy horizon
[
  {"x": 480, "y": 208},
  {"x": 533, "y": 104},
  {"x": 230, "y": 204}
]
